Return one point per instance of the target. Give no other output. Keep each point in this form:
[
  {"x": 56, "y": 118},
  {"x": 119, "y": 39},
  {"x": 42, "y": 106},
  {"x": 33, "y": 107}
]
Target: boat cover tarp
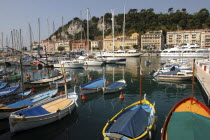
[
  {"x": 35, "y": 111},
  {"x": 33, "y": 99},
  {"x": 188, "y": 126},
  {"x": 116, "y": 85},
  {"x": 25, "y": 93},
  {"x": 94, "y": 84},
  {"x": 20, "y": 103},
  {"x": 3, "y": 85},
  {"x": 7, "y": 91},
  {"x": 132, "y": 123}
]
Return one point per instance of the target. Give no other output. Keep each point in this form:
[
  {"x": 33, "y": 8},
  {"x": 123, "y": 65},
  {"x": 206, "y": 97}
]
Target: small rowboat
[
  {"x": 60, "y": 82},
  {"x": 93, "y": 86},
  {"x": 12, "y": 77},
  {"x": 179, "y": 76},
  {"x": 115, "y": 86},
  {"x": 3, "y": 85},
  {"x": 43, "y": 113},
  {"x": 41, "y": 82},
  {"x": 6, "y": 110},
  {"x": 134, "y": 122},
  {"x": 188, "y": 119},
  {"x": 9, "y": 91}
]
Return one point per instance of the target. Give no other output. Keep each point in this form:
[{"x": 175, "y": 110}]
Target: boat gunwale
[
  {"x": 124, "y": 109},
  {"x": 166, "y": 122}
]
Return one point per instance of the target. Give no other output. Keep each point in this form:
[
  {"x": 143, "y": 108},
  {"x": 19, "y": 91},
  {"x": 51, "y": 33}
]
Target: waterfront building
[
  {"x": 152, "y": 40},
  {"x": 96, "y": 44},
  {"x": 118, "y": 42},
  {"x": 64, "y": 44},
  {"x": 49, "y": 45},
  {"x": 193, "y": 36},
  {"x": 79, "y": 45}
]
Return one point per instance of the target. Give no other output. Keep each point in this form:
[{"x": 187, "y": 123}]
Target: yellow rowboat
[{"x": 132, "y": 123}]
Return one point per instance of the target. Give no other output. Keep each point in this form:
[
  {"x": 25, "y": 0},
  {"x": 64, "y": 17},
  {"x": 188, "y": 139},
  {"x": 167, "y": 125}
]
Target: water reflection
[{"x": 92, "y": 114}]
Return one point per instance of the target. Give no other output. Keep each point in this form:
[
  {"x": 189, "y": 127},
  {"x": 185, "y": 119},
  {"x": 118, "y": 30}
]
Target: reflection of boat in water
[
  {"x": 62, "y": 128},
  {"x": 179, "y": 85}
]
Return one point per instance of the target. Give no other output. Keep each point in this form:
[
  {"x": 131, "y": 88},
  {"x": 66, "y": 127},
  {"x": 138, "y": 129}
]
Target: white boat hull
[
  {"x": 121, "y": 54},
  {"x": 40, "y": 121},
  {"x": 20, "y": 123},
  {"x": 67, "y": 65},
  {"x": 92, "y": 63},
  {"x": 191, "y": 55}
]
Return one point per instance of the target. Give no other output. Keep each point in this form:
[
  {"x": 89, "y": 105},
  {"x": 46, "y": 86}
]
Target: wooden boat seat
[{"x": 56, "y": 105}]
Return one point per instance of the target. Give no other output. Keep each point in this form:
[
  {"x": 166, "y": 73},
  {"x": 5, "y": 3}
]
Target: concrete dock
[{"x": 204, "y": 79}]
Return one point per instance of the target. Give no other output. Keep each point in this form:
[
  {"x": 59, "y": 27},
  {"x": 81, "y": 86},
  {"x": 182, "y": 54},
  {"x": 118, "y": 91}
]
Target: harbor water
[{"x": 88, "y": 119}]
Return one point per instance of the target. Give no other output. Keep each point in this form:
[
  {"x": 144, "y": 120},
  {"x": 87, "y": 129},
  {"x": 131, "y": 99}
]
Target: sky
[{"x": 17, "y": 14}]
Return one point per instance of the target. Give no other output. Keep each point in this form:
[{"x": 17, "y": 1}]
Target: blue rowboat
[
  {"x": 6, "y": 110},
  {"x": 3, "y": 85},
  {"x": 93, "y": 86},
  {"x": 9, "y": 91},
  {"x": 115, "y": 86},
  {"x": 43, "y": 113}
]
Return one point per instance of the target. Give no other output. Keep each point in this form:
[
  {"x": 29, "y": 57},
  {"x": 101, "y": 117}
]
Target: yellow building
[
  {"x": 152, "y": 40},
  {"x": 194, "y": 36},
  {"x": 96, "y": 44},
  {"x": 118, "y": 42},
  {"x": 62, "y": 43}
]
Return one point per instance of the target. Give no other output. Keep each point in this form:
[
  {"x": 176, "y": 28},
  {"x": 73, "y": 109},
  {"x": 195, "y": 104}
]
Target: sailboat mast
[
  {"x": 39, "y": 36},
  {"x": 46, "y": 49},
  {"x": 53, "y": 40},
  {"x": 12, "y": 43},
  {"x": 140, "y": 81},
  {"x": 124, "y": 30},
  {"x": 103, "y": 32},
  {"x": 88, "y": 31},
  {"x": 30, "y": 38},
  {"x": 193, "y": 78},
  {"x": 81, "y": 29},
  {"x": 112, "y": 29},
  {"x": 21, "y": 67},
  {"x": 2, "y": 41}
]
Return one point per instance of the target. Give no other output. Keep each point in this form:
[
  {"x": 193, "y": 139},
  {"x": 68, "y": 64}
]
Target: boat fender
[
  {"x": 91, "y": 79},
  {"x": 150, "y": 135},
  {"x": 107, "y": 82},
  {"x": 33, "y": 89},
  {"x": 75, "y": 79},
  {"x": 121, "y": 96},
  {"x": 61, "y": 92}
]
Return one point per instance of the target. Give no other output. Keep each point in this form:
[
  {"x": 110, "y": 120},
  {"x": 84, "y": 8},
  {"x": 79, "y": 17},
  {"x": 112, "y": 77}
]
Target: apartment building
[
  {"x": 63, "y": 43},
  {"x": 118, "y": 42},
  {"x": 194, "y": 36},
  {"x": 152, "y": 40},
  {"x": 96, "y": 44},
  {"x": 44, "y": 45},
  {"x": 79, "y": 45}
]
